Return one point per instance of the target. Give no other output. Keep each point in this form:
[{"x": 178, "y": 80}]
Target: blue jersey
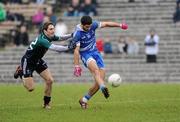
[
  {"x": 86, "y": 39},
  {"x": 87, "y": 42}
]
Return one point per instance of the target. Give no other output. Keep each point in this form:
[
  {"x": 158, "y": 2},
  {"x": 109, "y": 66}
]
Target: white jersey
[{"x": 152, "y": 49}]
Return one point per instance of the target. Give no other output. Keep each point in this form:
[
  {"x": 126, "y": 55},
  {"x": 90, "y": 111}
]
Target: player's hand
[
  {"x": 77, "y": 71},
  {"x": 124, "y": 26}
]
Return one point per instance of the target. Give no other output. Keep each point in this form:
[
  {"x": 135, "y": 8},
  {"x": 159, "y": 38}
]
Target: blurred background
[{"x": 129, "y": 53}]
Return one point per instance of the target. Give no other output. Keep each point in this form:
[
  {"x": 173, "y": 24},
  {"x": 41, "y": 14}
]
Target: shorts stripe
[
  {"x": 24, "y": 66},
  {"x": 90, "y": 59}
]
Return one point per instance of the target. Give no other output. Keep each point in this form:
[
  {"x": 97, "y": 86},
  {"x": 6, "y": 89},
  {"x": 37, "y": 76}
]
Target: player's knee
[
  {"x": 30, "y": 88},
  {"x": 50, "y": 81}
]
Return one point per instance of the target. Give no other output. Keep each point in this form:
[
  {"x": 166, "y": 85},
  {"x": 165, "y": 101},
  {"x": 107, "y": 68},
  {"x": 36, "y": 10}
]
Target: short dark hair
[
  {"x": 86, "y": 20},
  {"x": 46, "y": 25}
]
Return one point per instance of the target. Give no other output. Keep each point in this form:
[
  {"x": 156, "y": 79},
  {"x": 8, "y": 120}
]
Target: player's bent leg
[
  {"x": 46, "y": 75},
  {"x": 93, "y": 89},
  {"x": 83, "y": 101},
  {"x": 92, "y": 66},
  {"x": 99, "y": 77},
  {"x": 105, "y": 90},
  {"x": 102, "y": 73},
  {"x": 28, "y": 83}
]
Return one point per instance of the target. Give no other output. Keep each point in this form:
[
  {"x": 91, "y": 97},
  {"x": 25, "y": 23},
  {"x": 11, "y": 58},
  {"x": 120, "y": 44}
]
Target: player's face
[
  {"x": 86, "y": 27},
  {"x": 152, "y": 33},
  {"x": 50, "y": 31}
]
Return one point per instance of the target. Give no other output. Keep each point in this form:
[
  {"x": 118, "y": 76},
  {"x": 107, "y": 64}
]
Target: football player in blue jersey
[
  {"x": 32, "y": 60},
  {"x": 84, "y": 43}
]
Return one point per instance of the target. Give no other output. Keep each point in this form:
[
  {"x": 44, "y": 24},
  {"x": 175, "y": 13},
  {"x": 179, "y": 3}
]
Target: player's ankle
[
  {"x": 84, "y": 99},
  {"x": 102, "y": 86}
]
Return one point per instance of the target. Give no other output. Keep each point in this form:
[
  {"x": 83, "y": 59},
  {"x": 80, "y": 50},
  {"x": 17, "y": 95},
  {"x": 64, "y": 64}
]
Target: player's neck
[{"x": 47, "y": 35}]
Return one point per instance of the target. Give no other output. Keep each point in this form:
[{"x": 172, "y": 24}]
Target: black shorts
[
  {"x": 151, "y": 59},
  {"x": 29, "y": 66}
]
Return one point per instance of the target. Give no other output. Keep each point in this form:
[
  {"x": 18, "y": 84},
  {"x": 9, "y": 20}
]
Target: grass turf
[{"x": 127, "y": 103}]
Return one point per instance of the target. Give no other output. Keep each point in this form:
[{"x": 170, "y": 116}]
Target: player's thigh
[
  {"x": 86, "y": 57},
  {"x": 95, "y": 63},
  {"x": 43, "y": 71},
  {"x": 92, "y": 66},
  {"x": 46, "y": 75},
  {"x": 28, "y": 68},
  {"x": 99, "y": 60},
  {"x": 28, "y": 82}
]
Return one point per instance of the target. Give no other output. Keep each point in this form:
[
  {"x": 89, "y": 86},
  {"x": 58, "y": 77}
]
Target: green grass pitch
[{"x": 127, "y": 103}]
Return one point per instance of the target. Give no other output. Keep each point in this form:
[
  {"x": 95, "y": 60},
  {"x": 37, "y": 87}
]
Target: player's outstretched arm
[
  {"x": 76, "y": 55},
  {"x": 123, "y": 26},
  {"x": 58, "y": 48},
  {"x": 65, "y": 37},
  {"x": 77, "y": 68}
]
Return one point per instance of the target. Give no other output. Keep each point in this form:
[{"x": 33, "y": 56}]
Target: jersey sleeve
[{"x": 95, "y": 25}]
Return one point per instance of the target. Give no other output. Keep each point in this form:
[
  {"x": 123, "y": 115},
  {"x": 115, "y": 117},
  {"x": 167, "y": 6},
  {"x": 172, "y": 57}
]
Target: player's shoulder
[
  {"x": 42, "y": 40},
  {"x": 78, "y": 30},
  {"x": 95, "y": 24}
]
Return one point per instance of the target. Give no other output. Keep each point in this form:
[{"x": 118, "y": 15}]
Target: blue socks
[{"x": 86, "y": 98}]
